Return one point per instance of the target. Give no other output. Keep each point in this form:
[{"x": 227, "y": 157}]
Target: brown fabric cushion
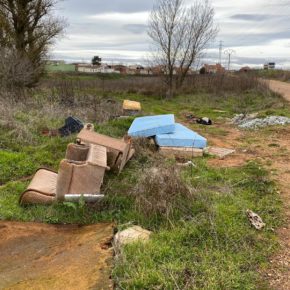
[
  {"x": 35, "y": 197},
  {"x": 41, "y": 189},
  {"x": 77, "y": 152}
]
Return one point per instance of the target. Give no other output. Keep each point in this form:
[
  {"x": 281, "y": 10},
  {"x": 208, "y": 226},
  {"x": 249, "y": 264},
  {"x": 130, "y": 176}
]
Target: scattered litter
[
  {"x": 82, "y": 175},
  {"x": 218, "y": 151},
  {"x": 72, "y": 125},
  {"x": 219, "y": 111},
  {"x": 119, "y": 151},
  {"x": 242, "y": 118},
  {"x": 204, "y": 121},
  {"x": 152, "y": 125},
  {"x": 50, "y": 132},
  {"x": 186, "y": 164},
  {"x": 131, "y": 108},
  {"x": 181, "y": 137},
  {"x": 198, "y": 120},
  {"x": 181, "y": 152},
  {"x": 130, "y": 235},
  {"x": 255, "y": 220},
  {"x": 248, "y": 122}
]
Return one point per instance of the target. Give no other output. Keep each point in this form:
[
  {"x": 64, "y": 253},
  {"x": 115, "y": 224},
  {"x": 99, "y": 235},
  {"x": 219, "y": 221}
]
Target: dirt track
[
  {"x": 281, "y": 88},
  {"x": 40, "y": 256}
]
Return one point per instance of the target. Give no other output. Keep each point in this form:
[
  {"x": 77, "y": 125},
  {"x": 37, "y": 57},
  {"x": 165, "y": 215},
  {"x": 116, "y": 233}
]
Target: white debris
[
  {"x": 248, "y": 122},
  {"x": 255, "y": 220},
  {"x": 130, "y": 235}
]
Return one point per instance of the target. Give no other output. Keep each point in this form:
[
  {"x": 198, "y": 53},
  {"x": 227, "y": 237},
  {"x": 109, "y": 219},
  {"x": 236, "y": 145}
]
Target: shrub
[{"x": 162, "y": 193}]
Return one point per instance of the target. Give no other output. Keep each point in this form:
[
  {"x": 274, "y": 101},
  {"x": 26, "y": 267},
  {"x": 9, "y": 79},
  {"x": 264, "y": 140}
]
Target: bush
[{"x": 161, "y": 193}]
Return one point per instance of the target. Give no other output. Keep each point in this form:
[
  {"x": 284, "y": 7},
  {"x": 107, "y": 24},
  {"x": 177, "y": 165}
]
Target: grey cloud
[
  {"x": 127, "y": 46},
  {"x": 245, "y": 39},
  {"x": 105, "y": 34},
  {"x": 135, "y": 28},
  {"x": 251, "y": 17},
  {"x": 90, "y": 7}
]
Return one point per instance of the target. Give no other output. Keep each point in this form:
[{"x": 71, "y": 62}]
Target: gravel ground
[{"x": 250, "y": 122}]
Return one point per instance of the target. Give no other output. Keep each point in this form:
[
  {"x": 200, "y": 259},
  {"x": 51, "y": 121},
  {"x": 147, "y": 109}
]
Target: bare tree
[
  {"x": 180, "y": 34},
  {"x": 29, "y": 28}
]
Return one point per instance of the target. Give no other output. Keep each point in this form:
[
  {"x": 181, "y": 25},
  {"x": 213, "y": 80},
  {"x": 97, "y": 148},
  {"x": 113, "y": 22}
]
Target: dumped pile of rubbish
[
  {"x": 81, "y": 172},
  {"x": 252, "y": 122}
]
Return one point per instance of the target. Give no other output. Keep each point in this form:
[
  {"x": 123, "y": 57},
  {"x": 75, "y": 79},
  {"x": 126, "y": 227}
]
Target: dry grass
[
  {"x": 26, "y": 119},
  {"x": 151, "y": 85},
  {"x": 161, "y": 192}
]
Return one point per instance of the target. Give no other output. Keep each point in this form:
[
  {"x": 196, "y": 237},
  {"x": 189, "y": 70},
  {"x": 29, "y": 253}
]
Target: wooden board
[{"x": 181, "y": 152}]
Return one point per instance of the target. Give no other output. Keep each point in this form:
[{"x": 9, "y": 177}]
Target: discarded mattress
[
  {"x": 81, "y": 174},
  {"x": 119, "y": 151},
  {"x": 152, "y": 125},
  {"x": 181, "y": 137}
]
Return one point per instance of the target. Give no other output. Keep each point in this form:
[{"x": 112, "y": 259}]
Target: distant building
[
  {"x": 213, "y": 69},
  {"x": 270, "y": 65},
  {"x": 89, "y": 68},
  {"x": 245, "y": 69},
  {"x": 122, "y": 69}
]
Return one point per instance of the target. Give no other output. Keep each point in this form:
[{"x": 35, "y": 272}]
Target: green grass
[
  {"x": 208, "y": 105},
  {"x": 215, "y": 247},
  {"x": 60, "y": 68},
  {"x": 208, "y": 244}
]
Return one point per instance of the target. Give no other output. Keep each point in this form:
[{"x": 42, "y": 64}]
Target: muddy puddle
[{"x": 40, "y": 256}]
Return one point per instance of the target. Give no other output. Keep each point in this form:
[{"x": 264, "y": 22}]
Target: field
[
  {"x": 60, "y": 68},
  {"x": 201, "y": 236}
]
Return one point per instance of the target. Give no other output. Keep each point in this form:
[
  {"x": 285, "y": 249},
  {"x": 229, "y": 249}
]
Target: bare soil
[
  {"x": 40, "y": 256},
  {"x": 282, "y": 88}
]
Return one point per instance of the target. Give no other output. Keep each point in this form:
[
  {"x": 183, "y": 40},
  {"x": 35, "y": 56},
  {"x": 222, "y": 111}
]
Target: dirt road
[
  {"x": 281, "y": 88},
  {"x": 40, "y": 256}
]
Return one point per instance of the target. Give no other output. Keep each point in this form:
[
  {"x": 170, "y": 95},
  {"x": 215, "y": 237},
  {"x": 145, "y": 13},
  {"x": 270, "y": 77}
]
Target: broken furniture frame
[{"x": 119, "y": 151}]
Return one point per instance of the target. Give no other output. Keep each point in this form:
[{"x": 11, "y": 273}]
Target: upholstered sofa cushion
[{"x": 75, "y": 177}]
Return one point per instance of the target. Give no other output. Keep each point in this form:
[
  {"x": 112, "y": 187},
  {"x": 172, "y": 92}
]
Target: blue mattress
[
  {"x": 152, "y": 125},
  {"x": 181, "y": 137}
]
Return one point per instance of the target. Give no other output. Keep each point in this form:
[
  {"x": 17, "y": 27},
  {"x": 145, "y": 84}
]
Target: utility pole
[
  {"x": 229, "y": 52},
  {"x": 220, "y": 52}
]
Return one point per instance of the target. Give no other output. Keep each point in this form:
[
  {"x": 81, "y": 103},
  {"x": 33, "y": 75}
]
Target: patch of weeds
[
  {"x": 273, "y": 145},
  {"x": 214, "y": 247},
  {"x": 15, "y": 165},
  {"x": 115, "y": 128}
]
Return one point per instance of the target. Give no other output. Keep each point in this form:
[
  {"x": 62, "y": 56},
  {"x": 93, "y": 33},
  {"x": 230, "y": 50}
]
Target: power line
[
  {"x": 229, "y": 52},
  {"x": 220, "y": 52}
]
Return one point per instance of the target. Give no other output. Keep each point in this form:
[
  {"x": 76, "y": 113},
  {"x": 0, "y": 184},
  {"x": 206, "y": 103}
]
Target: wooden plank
[
  {"x": 99, "y": 139},
  {"x": 181, "y": 152}
]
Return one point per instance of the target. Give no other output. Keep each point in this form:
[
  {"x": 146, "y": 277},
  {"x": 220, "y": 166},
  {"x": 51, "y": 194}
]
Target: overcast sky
[{"x": 258, "y": 31}]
